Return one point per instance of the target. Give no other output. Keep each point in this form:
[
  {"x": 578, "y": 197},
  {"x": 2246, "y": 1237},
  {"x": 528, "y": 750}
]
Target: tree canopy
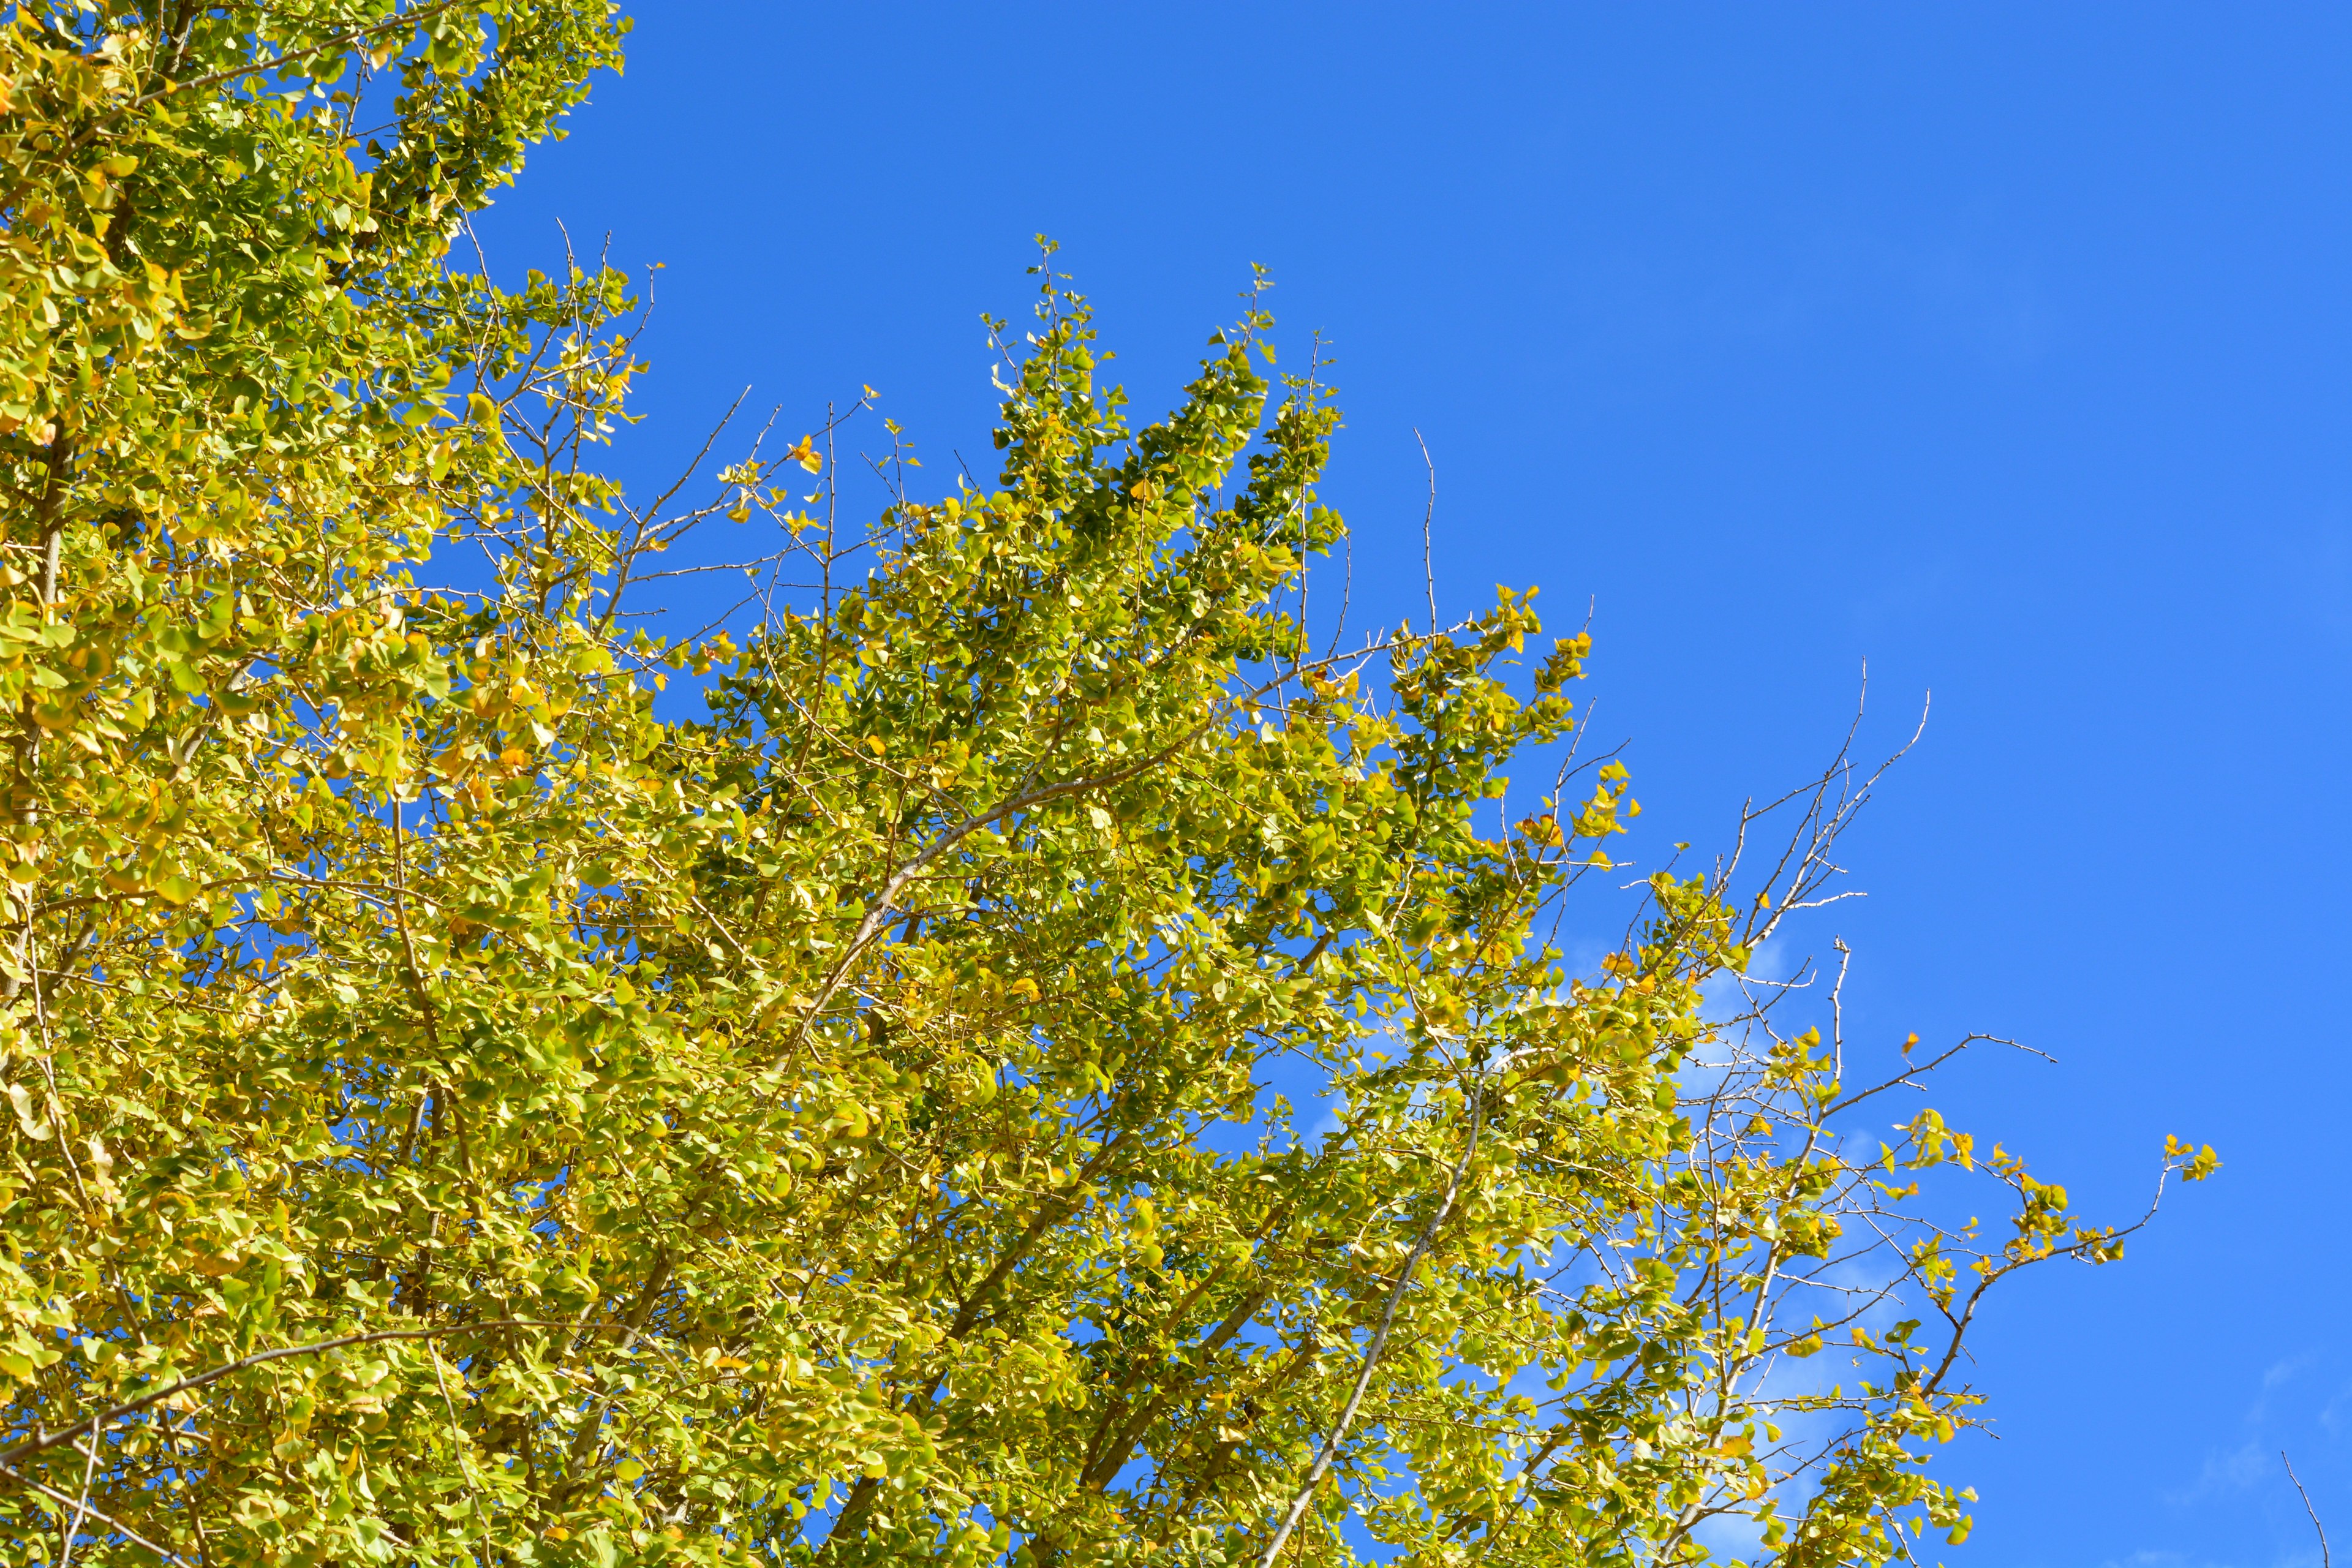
[{"x": 1048, "y": 1062}]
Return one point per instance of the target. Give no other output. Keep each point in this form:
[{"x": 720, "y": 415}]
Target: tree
[{"x": 462, "y": 1115}]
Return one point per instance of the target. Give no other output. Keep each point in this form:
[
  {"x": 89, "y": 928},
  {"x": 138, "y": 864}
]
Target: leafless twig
[
  {"x": 2306, "y": 1507},
  {"x": 1428, "y": 517}
]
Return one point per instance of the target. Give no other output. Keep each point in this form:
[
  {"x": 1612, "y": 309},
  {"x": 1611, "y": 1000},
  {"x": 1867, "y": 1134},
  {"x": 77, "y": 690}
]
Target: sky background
[{"x": 2004, "y": 347}]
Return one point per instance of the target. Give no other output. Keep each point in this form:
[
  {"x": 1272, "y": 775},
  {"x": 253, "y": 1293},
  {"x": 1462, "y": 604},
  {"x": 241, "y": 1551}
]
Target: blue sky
[{"x": 2008, "y": 348}]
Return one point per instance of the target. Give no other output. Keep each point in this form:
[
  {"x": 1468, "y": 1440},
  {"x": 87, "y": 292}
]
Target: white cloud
[
  {"x": 2281, "y": 1371},
  {"x": 2227, "y": 1471}
]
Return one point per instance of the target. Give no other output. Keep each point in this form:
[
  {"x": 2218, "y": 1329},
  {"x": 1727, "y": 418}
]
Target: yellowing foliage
[{"x": 458, "y": 1115}]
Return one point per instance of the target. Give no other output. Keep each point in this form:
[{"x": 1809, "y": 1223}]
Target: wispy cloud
[
  {"x": 2226, "y": 1472},
  {"x": 2164, "y": 1559},
  {"x": 2278, "y": 1375},
  {"x": 2246, "y": 1479},
  {"x": 2336, "y": 1412}
]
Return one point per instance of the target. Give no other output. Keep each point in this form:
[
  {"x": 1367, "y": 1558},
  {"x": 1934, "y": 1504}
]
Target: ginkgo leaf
[{"x": 1046, "y": 1048}]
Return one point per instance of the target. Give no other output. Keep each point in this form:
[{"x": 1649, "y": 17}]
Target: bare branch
[{"x": 2306, "y": 1507}]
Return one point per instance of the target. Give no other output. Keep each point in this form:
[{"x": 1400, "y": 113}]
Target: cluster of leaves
[{"x": 458, "y": 1115}]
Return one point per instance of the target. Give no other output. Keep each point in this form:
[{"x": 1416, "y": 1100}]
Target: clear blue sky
[{"x": 2006, "y": 347}]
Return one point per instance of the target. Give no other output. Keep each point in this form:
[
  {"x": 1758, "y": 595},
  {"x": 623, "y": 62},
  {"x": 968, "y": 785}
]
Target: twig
[
  {"x": 1379, "y": 1339},
  {"x": 457, "y": 1436},
  {"x": 2306, "y": 1506},
  {"x": 107, "y": 1520},
  {"x": 72, "y": 1527},
  {"x": 1429, "y": 516},
  {"x": 41, "y": 1441}
]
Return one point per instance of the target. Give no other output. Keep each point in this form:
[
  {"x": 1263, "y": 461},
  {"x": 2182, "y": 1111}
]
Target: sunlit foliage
[{"x": 459, "y": 1112}]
